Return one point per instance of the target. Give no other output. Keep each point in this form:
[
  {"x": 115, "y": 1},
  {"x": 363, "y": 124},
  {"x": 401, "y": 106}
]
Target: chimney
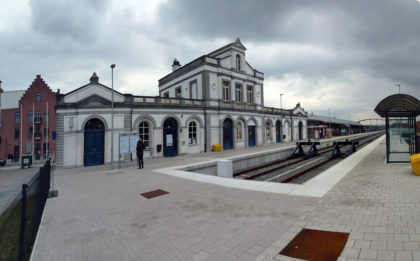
[
  {"x": 175, "y": 65},
  {"x": 94, "y": 78}
]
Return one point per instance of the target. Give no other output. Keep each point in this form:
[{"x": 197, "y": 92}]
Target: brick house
[{"x": 28, "y": 122}]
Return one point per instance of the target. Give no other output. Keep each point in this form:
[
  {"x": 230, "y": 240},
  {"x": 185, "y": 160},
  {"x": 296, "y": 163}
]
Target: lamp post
[
  {"x": 112, "y": 117},
  {"x": 399, "y": 88},
  {"x": 281, "y": 105}
]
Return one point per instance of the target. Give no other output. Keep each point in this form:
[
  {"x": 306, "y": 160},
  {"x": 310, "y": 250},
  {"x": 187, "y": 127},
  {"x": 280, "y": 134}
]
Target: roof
[
  {"x": 398, "y": 105},
  {"x": 10, "y": 99},
  {"x": 334, "y": 120}
]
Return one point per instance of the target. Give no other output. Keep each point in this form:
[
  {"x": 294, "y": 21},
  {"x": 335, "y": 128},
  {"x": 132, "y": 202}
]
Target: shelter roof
[{"x": 398, "y": 105}]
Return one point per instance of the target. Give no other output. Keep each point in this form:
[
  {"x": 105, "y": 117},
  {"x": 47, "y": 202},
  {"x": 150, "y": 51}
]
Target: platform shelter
[{"x": 400, "y": 112}]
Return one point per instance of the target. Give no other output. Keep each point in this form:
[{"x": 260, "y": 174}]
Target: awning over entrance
[{"x": 400, "y": 112}]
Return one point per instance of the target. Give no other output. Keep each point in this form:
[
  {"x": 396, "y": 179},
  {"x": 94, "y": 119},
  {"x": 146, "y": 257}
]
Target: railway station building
[
  {"x": 322, "y": 126},
  {"x": 217, "y": 98}
]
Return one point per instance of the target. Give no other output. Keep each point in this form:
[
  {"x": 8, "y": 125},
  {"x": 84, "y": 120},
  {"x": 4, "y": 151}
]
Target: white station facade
[{"x": 216, "y": 99}]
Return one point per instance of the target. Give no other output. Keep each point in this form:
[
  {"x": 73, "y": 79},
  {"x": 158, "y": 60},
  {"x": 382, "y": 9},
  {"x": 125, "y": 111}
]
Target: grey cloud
[
  {"x": 381, "y": 36},
  {"x": 72, "y": 20}
]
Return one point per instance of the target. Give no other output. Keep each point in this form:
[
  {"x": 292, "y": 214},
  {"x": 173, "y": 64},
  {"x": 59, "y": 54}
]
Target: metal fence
[{"x": 20, "y": 222}]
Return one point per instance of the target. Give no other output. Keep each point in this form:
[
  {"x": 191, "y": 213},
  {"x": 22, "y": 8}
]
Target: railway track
[{"x": 288, "y": 170}]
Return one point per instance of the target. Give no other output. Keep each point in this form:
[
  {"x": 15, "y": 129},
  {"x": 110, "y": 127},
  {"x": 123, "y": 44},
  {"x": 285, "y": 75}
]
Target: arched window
[
  {"x": 239, "y": 131},
  {"x": 144, "y": 132},
  {"x": 192, "y": 132},
  {"x": 238, "y": 62},
  {"x": 267, "y": 130}
]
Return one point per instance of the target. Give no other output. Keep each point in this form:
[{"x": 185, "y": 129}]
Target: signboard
[
  {"x": 133, "y": 143},
  {"x": 169, "y": 140},
  {"x": 124, "y": 144}
]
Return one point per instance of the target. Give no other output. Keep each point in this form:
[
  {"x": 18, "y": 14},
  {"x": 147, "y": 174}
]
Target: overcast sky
[{"x": 346, "y": 55}]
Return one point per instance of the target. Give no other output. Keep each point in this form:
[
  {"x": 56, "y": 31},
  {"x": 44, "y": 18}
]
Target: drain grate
[
  {"x": 154, "y": 193},
  {"x": 316, "y": 245}
]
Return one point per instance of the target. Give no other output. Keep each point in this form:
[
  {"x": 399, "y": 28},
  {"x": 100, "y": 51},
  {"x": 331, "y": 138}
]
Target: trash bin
[
  {"x": 217, "y": 147},
  {"x": 26, "y": 161},
  {"x": 415, "y": 164}
]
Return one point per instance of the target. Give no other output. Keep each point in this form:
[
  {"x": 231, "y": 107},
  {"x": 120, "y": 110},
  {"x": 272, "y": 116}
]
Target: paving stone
[
  {"x": 368, "y": 254},
  {"x": 403, "y": 255},
  {"x": 375, "y": 202}
]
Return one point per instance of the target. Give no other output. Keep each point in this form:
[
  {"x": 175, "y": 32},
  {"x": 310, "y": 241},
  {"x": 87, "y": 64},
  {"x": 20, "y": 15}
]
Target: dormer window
[{"x": 238, "y": 62}]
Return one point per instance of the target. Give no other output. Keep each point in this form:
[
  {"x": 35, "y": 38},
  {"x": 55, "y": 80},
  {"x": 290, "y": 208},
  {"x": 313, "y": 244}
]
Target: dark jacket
[{"x": 140, "y": 147}]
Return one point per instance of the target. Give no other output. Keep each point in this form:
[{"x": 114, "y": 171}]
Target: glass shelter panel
[{"x": 401, "y": 139}]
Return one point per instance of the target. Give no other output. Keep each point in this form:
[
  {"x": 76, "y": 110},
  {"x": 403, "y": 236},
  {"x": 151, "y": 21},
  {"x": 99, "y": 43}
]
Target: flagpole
[
  {"x": 33, "y": 131},
  {"x": 21, "y": 138},
  {"x": 48, "y": 130}
]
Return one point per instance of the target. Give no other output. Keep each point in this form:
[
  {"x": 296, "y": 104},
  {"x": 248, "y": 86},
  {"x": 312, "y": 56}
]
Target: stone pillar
[{"x": 224, "y": 168}]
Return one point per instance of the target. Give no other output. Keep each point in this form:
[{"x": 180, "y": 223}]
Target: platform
[{"x": 102, "y": 216}]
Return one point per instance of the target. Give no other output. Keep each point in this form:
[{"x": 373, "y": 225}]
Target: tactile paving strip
[
  {"x": 316, "y": 245},
  {"x": 154, "y": 193}
]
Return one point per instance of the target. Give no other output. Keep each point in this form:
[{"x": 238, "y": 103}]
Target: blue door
[
  {"x": 251, "y": 136},
  {"x": 300, "y": 130},
  {"x": 278, "y": 132},
  {"x": 170, "y": 138},
  {"x": 227, "y": 134},
  {"x": 94, "y": 143}
]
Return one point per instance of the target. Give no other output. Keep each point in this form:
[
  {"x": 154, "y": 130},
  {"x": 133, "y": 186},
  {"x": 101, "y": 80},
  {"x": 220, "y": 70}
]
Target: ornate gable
[{"x": 94, "y": 101}]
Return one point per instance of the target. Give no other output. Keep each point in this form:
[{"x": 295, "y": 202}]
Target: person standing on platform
[{"x": 140, "y": 148}]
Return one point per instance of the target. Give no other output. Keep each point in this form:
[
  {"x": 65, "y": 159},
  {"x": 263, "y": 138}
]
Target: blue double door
[
  {"x": 278, "y": 132},
  {"x": 227, "y": 134},
  {"x": 170, "y": 138},
  {"x": 251, "y": 136},
  {"x": 94, "y": 143}
]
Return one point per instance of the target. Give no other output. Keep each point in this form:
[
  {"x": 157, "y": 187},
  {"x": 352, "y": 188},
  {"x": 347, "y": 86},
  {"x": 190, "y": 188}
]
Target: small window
[
  {"x": 166, "y": 94},
  {"x": 16, "y": 133},
  {"x": 38, "y": 116},
  {"x": 38, "y": 97},
  {"x": 31, "y": 117},
  {"x": 178, "y": 93},
  {"x": 239, "y": 131},
  {"x": 30, "y": 132},
  {"x": 238, "y": 93},
  {"x": 17, "y": 117},
  {"x": 47, "y": 115},
  {"x": 38, "y": 131},
  {"x": 144, "y": 132},
  {"x": 268, "y": 130},
  {"x": 250, "y": 94},
  {"x": 238, "y": 62},
  {"x": 192, "y": 132},
  {"x": 226, "y": 91}
]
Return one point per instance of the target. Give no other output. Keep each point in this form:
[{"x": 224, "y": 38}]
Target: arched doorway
[
  {"x": 251, "y": 133},
  {"x": 278, "y": 132},
  {"x": 300, "y": 130},
  {"x": 94, "y": 142},
  {"x": 170, "y": 138},
  {"x": 227, "y": 134}
]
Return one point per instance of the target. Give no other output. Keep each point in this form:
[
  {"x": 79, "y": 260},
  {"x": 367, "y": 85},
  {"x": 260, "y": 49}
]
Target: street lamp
[
  {"x": 112, "y": 117},
  {"x": 399, "y": 88},
  {"x": 281, "y": 105}
]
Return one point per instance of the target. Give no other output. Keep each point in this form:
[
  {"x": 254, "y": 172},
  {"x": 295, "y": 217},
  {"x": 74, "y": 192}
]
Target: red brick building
[{"x": 28, "y": 124}]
